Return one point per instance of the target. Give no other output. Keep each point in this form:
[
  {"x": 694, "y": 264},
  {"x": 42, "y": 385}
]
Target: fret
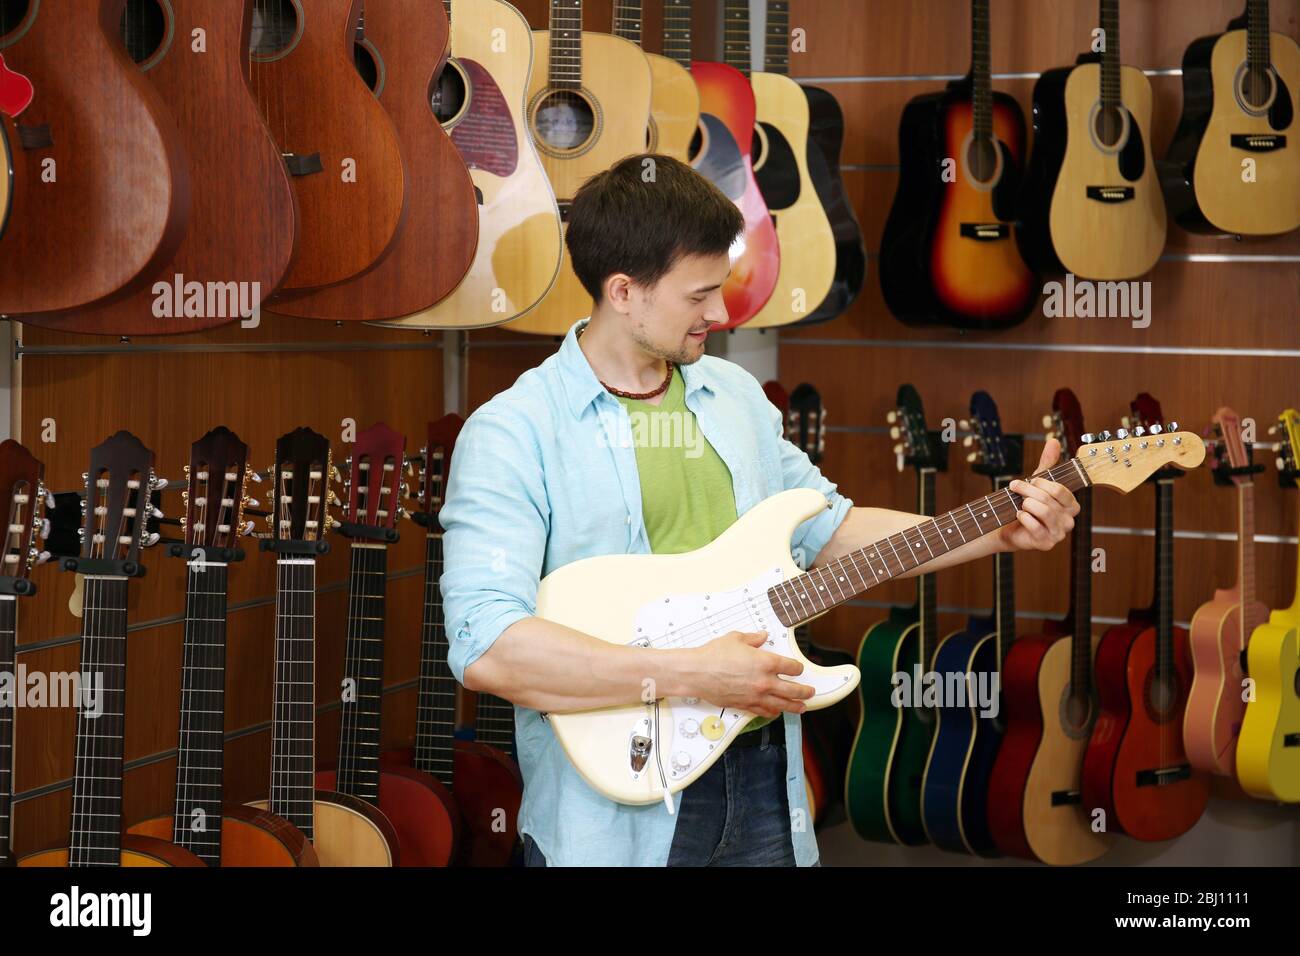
[
  {"x": 627, "y": 20},
  {"x": 565, "y": 31},
  {"x": 776, "y": 52},
  {"x": 1259, "y": 54},
  {"x": 1110, "y": 59},
  {"x": 435, "y": 722},
  {"x": 293, "y": 723},
  {"x": 1164, "y": 576},
  {"x": 677, "y": 31},
  {"x": 982, "y": 95},
  {"x": 1004, "y": 590}
]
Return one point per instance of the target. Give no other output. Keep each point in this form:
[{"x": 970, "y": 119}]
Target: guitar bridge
[
  {"x": 985, "y": 231},
  {"x": 1066, "y": 798},
  {"x": 1110, "y": 194},
  {"x": 1258, "y": 142},
  {"x": 1163, "y": 776}
]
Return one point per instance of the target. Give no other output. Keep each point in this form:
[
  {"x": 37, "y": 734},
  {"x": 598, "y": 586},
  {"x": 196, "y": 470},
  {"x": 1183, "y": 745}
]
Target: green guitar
[{"x": 882, "y": 789}]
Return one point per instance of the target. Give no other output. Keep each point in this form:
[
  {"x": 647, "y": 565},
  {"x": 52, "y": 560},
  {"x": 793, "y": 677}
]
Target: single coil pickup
[
  {"x": 1067, "y": 798},
  {"x": 985, "y": 231},
  {"x": 1258, "y": 142},
  {"x": 1164, "y": 776},
  {"x": 1110, "y": 194}
]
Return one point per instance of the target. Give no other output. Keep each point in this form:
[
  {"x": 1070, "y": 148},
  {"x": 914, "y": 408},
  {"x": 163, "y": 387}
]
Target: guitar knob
[
  {"x": 690, "y": 727},
  {"x": 681, "y": 760}
]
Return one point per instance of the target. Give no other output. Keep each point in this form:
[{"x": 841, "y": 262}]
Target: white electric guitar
[{"x": 644, "y": 752}]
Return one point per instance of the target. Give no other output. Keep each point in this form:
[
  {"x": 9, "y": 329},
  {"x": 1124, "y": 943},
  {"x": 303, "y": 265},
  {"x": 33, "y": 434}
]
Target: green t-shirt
[{"x": 687, "y": 498}]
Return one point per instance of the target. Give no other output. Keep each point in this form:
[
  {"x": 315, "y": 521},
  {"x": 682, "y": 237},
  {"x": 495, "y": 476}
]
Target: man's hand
[
  {"x": 732, "y": 671},
  {"x": 1047, "y": 514}
]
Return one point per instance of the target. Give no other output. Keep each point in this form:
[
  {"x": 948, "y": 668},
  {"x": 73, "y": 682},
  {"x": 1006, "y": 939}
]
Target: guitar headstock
[
  {"x": 22, "y": 490},
  {"x": 215, "y": 495},
  {"x": 373, "y": 484},
  {"x": 1065, "y": 424},
  {"x": 437, "y": 468},
  {"x": 1125, "y": 461},
  {"x": 1147, "y": 419},
  {"x": 119, "y": 486},
  {"x": 806, "y": 422},
  {"x": 300, "y": 494},
  {"x": 1288, "y": 446},
  {"x": 1230, "y": 451},
  {"x": 907, "y": 427},
  {"x": 996, "y": 454}
]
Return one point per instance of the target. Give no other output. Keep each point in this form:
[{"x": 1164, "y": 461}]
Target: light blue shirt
[{"x": 545, "y": 474}]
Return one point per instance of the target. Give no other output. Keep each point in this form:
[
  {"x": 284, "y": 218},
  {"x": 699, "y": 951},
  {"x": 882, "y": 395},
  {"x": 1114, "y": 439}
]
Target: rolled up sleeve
[
  {"x": 797, "y": 471},
  {"x": 495, "y": 522}
]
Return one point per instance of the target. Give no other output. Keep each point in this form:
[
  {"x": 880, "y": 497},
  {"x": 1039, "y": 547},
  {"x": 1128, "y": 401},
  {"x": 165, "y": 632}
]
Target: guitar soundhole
[
  {"x": 449, "y": 93},
  {"x": 983, "y": 162},
  {"x": 277, "y": 26},
  {"x": 565, "y": 122},
  {"x": 1296, "y": 682},
  {"x": 1076, "y": 714},
  {"x": 1255, "y": 88},
  {"x": 12, "y": 15},
  {"x": 146, "y": 29},
  {"x": 1162, "y": 695},
  {"x": 367, "y": 64},
  {"x": 1110, "y": 126},
  {"x": 697, "y": 144}
]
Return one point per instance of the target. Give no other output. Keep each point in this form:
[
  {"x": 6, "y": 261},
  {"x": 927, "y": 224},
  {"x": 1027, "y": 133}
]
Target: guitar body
[
  {"x": 674, "y": 108},
  {"x": 317, "y": 104},
  {"x": 948, "y": 255},
  {"x": 807, "y": 262},
  {"x": 349, "y": 831},
  {"x": 727, "y": 98},
  {"x": 1035, "y": 805},
  {"x": 1268, "y": 749},
  {"x": 136, "y": 851},
  {"x": 421, "y": 810},
  {"x": 1215, "y": 709},
  {"x": 248, "y": 838},
  {"x": 882, "y": 791},
  {"x": 826, "y": 138},
  {"x": 482, "y": 95},
  {"x": 1132, "y": 738},
  {"x": 616, "y": 90},
  {"x": 6, "y": 172},
  {"x": 954, "y": 796},
  {"x": 1203, "y": 180},
  {"x": 636, "y": 593},
  {"x": 241, "y": 224},
  {"x": 120, "y": 203},
  {"x": 408, "y": 40}
]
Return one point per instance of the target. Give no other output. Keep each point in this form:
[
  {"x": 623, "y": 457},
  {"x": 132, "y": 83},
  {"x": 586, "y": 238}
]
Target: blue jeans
[{"x": 736, "y": 814}]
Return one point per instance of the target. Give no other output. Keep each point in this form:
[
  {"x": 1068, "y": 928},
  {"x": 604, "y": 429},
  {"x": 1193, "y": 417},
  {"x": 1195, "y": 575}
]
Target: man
[{"x": 552, "y": 470}]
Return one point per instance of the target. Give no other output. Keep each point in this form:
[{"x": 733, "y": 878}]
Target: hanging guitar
[
  {"x": 15, "y": 96},
  {"x": 675, "y": 102}
]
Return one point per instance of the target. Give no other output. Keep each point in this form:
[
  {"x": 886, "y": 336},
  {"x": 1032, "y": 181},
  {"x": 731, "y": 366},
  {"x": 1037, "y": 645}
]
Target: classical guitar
[
  {"x": 400, "y": 47},
  {"x": 419, "y": 807},
  {"x": 241, "y": 221},
  {"x": 588, "y": 107},
  {"x": 1091, "y": 204},
  {"x": 948, "y": 255},
  {"x": 119, "y": 483},
  {"x": 480, "y": 97},
  {"x": 218, "y": 832},
  {"x": 746, "y": 579},
  {"x": 780, "y": 149},
  {"x": 1234, "y": 165},
  {"x": 1035, "y": 805},
  {"x": 675, "y": 102},
  {"x": 1135, "y": 768},
  {"x": 1268, "y": 748},
  {"x": 120, "y": 203},
  {"x": 969, "y": 727},
  {"x": 342, "y": 150},
  {"x": 485, "y": 781},
  {"x": 1222, "y": 626},
  {"x": 22, "y": 493},
  {"x": 883, "y": 782},
  {"x": 345, "y": 830}
]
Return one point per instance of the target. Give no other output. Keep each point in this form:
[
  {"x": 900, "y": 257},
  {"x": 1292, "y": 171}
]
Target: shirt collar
[{"x": 582, "y": 387}]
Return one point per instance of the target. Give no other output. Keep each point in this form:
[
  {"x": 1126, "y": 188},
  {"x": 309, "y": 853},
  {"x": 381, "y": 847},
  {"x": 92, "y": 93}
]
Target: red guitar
[
  {"x": 419, "y": 807},
  {"x": 486, "y": 781},
  {"x": 1136, "y": 768}
]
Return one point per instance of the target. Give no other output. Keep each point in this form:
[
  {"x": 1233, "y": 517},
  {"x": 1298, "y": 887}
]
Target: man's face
[{"x": 671, "y": 319}]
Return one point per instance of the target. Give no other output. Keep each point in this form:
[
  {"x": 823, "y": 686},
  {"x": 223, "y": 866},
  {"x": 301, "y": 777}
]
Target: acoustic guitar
[
  {"x": 780, "y": 147},
  {"x": 1092, "y": 204},
  {"x": 15, "y": 96},
  {"x": 480, "y": 97},
  {"x": 119, "y": 483},
  {"x": 746, "y": 579},
  {"x": 948, "y": 255},
  {"x": 400, "y": 47},
  {"x": 1234, "y": 165},
  {"x": 419, "y": 807},
  {"x": 588, "y": 107},
  {"x": 1222, "y": 626},
  {"x": 345, "y": 830},
  {"x": 110, "y": 146},
  {"x": 1268, "y": 748},
  {"x": 674, "y": 102},
  {"x": 342, "y": 150},
  {"x": 1135, "y": 768},
  {"x": 1035, "y": 799},
  {"x": 485, "y": 781},
  {"x": 882, "y": 790},
  {"x": 218, "y": 832},
  {"x": 241, "y": 221}
]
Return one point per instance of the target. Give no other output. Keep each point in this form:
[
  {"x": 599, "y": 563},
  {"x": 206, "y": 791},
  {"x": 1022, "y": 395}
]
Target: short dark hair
[{"x": 641, "y": 216}]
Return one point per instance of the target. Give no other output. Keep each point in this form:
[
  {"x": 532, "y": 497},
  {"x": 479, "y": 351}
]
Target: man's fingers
[
  {"x": 1051, "y": 454},
  {"x": 793, "y": 689},
  {"x": 787, "y": 665}
]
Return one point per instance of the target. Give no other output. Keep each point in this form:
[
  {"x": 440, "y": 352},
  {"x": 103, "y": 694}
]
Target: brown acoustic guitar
[
  {"x": 102, "y": 198},
  {"x": 338, "y": 141},
  {"x": 401, "y": 45},
  {"x": 240, "y": 239}
]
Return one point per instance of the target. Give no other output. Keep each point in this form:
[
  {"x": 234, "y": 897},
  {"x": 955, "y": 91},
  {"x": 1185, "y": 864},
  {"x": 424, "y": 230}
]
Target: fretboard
[
  {"x": 927, "y": 599},
  {"x": 627, "y": 20},
  {"x": 1258, "y": 52},
  {"x": 1110, "y": 61},
  {"x": 1004, "y": 591},
  {"x": 435, "y": 712},
  {"x": 197, "y": 815},
  {"x": 983, "y": 84},
  {"x": 566, "y": 45},
  {"x": 8, "y": 617},
  {"x": 776, "y": 46},
  {"x": 810, "y": 595},
  {"x": 735, "y": 35},
  {"x": 1164, "y": 576},
  {"x": 1246, "y": 559},
  {"x": 96, "y": 833},
  {"x": 677, "y": 31},
  {"x": 293, "y": 717},
  {"x": 447, "y": 6},
  {"x": 363, "y": 671},
  {"x": 1081, "y": 598}
]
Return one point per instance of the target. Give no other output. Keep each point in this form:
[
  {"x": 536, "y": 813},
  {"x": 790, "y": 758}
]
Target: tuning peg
[
  {"x": 158, "y": 484},
  {"x": 151, "y": 539},
  {"x": 1156, "y": 429},
  {"x": 246, "y": 528},
  {"x": 1087, "y": 438},
  {"x": 252, "y": 503},
  {"x": 156, "y": 512},
  {"x": 895, "y": 433},
  {"x": 1279, "y": 464},
  {"x": 42, "y": 557},
  {"x": 1121, "y": 433},
  {"x": 1047, "y": 422},
  {"x": 45, "y": 528},
  {"x": 1173, "y": 426},
  {"x": 1126, "y": 421},
  {"x": 891, "y": 416},
  {"x": 49, "y": 501},
  {"x": 973, "y": 456},
  {"x": 1104, "y": 436},
  {"x": 968, "y": 441},
  {"x": 334, "y": 472},
  {"x": 1139, "y": 431},
  {"x": 898, "y": 449},
  {"x": 964, "y": 425}
]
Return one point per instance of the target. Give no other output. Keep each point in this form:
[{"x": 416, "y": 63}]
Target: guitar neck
[
  {"x": 8, "y": 620},
  {"x": 1259, "y": 54},
  {"x": 677, "y": 31},
  {"x": 1245, "y": 552},
  {"x": 96, "y": 832},
  {"x": 810, "y": 595},
  {"x": 735, "y": 35},
  {"x": 200, "y": 755},
  {"x": 1110, "y": 61},
  {"x": 776, "y": 46},
  {"x": 566, "y": 45},
  {"x": 982, "y": 95},
  {"x": 1004, "y": 590},
  {"x": 627, "y": 20},
  {"x": 1164, "y": 576},
  {"x": 435, "y": 711},
  {"x": 363, "y": 670},
  {"x": 926, "y": 595},
  {"x": 293, "y": 719},
  {"x": 1081, "y": 598}
]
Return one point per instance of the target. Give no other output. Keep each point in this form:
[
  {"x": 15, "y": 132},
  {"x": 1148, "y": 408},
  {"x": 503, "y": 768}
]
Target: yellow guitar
[
  {"x": 675, "y": 105},
  {"x": 1268, "y": 748}
]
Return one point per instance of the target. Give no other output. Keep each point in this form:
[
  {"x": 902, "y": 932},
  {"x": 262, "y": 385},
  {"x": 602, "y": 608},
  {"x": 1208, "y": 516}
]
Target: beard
[{"x": 678, "y": 355}]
